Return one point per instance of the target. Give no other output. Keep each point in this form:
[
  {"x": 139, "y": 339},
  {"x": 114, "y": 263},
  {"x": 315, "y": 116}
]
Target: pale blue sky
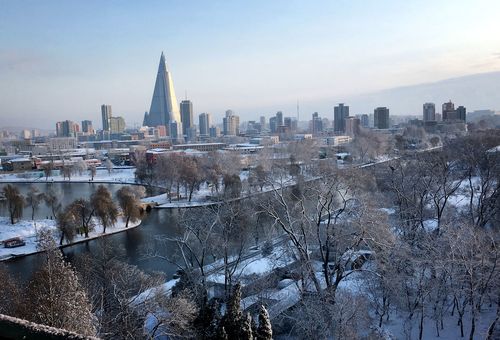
[{"x": 63, "y": 59}]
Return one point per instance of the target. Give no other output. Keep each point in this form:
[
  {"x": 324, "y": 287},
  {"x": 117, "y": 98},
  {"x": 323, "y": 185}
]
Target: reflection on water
[{"x": 136, "y": 244}]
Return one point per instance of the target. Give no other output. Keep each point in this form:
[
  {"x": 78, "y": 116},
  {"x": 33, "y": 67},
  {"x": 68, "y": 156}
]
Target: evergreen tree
[
  {"x": 246, "y": 328},
  {"x": 235, "y": 324},
  {"x": 264, "y": 331},
  {"x": 221, "y": 334},
  {"x": 233, "y": 317},
  {"x": 208, "y": 322},
  {"x": 55, "y": 296}
]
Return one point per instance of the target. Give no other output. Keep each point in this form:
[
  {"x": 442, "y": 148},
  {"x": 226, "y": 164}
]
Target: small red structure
[{"x": 13, "y": 242}]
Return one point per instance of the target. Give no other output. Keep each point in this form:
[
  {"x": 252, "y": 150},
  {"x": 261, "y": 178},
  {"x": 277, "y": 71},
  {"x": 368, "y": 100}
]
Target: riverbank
[
  {"x": 119, "y": 176},
  {"x": 27, "y": 230}
]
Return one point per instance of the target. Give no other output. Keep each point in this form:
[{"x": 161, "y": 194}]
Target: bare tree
[
  {"x": 481, "y": 176},
  {"x": 67, "y": 171},
  {"x": 92, "y": 171},
  {"x": 109, "y": 165},
  {"x": 130, "y": 203},
  {"x": 103, "y": 206},
  {"x": 166, "y": 172},
  {"x": 51, "y": 198},
  {"x": 33, "y": 199},
  {"x": 67, "y": 223},
  {"x": 15, "y": 202},
  {"x": 474, "y": 268},
  {"x": 232, "y": 186},
  {"x": 213, "y": 170},
  {"x": 368, "y": 145},
  {"x": 80, "y": 166},
  {"x": 174, "y": 316},
  {"x": 144, "y": 170},
  {"x": 83, "y": 210},
  {"x": 190, "y": 175},
  {"x": 116, "y": 289},
  {"x": 47, "y": 169}
]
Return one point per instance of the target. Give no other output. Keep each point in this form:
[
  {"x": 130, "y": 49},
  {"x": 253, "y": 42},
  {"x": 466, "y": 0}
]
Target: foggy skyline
[{"x": 62, "y": 60}]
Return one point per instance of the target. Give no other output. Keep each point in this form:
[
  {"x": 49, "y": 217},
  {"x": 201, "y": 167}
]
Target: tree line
[{"x": 80, "y": 215}]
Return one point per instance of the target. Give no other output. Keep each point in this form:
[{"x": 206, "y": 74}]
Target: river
[{"x": 136, "y": 245}]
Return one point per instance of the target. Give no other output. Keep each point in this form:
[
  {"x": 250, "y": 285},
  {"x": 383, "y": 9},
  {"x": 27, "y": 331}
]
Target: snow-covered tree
[
  {"x": 80, "y": 166},
  {"x": 264, "y": 331},
  {"x": 55, "y": 295},
  {"x": 109, "y": 165}
]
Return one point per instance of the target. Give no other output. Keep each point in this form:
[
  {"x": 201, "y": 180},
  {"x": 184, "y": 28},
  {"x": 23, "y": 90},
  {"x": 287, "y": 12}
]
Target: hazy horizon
[{"x": 62, "y": 60}]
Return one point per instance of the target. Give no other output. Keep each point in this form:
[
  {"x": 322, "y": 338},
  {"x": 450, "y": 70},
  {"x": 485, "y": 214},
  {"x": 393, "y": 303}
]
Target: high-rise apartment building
[
  {"x": 273, "y": 125},
  {"x": 262, "y": 122},
  {"x": 365, "y": 120},
  {"x": 106, "y": 113},
  {"x": 67, "y": 128},
  {"x": 340, "y": 113},
  {"x": 461, "y": 113},
  {"x": 186, "y": 116},
  {"x": 279, "y": 118},
  {"x": 174, "y": 131},
  {"x": 26, "y": 134},
  {"x": 231, "y": 124},
  {"x": 452, "y": 114},
  {"x": 381, "y": 118},
  {"x": 204, "y": 122},
  {"x": 290, "y": 123},
  {"x": 429, "y": 112},
  {"x": 352, "y": 125},
  {"x": 87, "y": 126},
  {"x": 116, "y": 124},
  {"x": 214, "y": 132},
  {"x": 316, "y": 123},
  {"x": 448, "y": 111}
]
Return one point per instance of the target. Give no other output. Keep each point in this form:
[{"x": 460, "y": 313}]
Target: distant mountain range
[{"x": 475, "y": 92}]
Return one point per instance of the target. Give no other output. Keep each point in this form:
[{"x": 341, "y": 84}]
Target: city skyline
[{"x": 68, "y": 71}]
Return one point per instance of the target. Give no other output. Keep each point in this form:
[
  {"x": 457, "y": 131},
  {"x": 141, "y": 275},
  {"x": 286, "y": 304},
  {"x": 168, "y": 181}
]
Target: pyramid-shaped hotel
[{"x": 164, "y": 108}]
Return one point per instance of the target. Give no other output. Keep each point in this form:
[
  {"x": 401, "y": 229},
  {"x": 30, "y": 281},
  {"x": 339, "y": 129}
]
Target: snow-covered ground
[
  {"x": 27, "y": 230},
  {"x": 126, "y": 175},
  {"x": 205, "y": 194},
  {"x": 254, "y": 266}
]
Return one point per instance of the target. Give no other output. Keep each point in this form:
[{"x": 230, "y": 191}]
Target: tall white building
[
  {"x": 116, "y": 124},
  {"x": 231, "y": 124}
]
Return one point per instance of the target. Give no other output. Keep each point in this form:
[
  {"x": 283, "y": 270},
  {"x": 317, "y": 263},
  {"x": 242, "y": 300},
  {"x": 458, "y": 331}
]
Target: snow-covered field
[
  {"x": 27, "y": 230},
  {"x": 126, "y": 175}
]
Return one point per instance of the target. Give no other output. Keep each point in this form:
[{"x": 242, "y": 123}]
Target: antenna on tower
[
  {"x": 297, "y": 110},
  {"x": 186, "y": 94}
]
